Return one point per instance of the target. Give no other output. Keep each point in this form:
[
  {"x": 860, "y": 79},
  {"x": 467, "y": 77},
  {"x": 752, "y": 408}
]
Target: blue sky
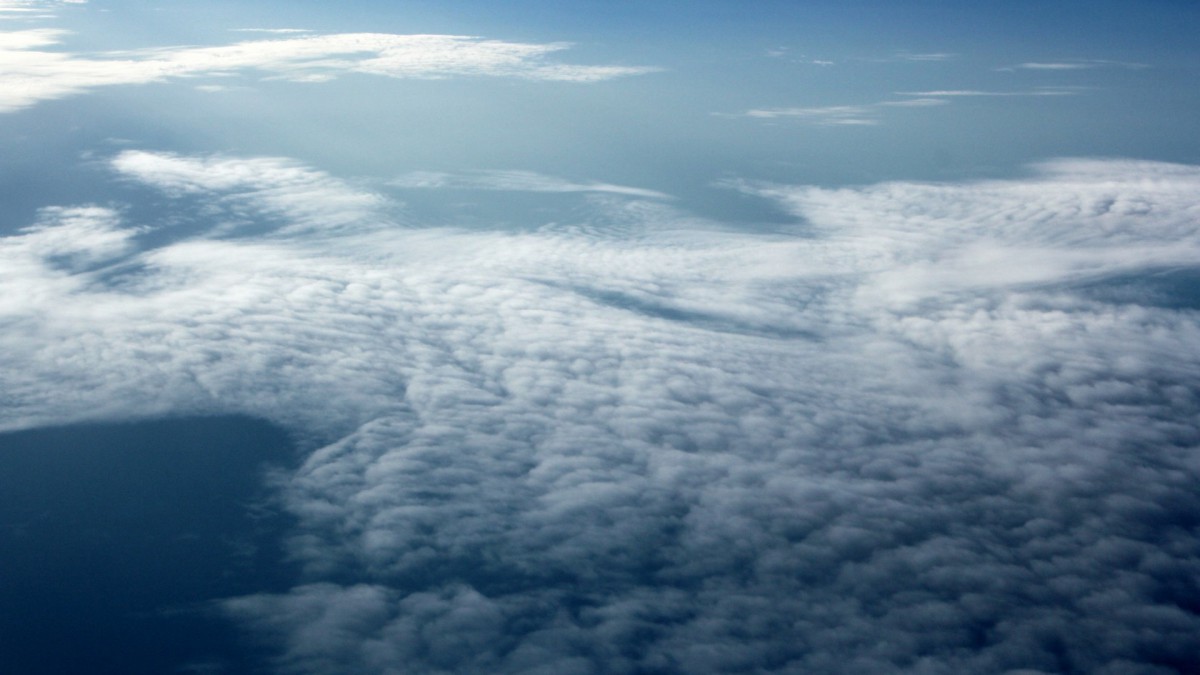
[
  {"x": 651, "y": 337},
  {"x": 1119, "y": 77}
]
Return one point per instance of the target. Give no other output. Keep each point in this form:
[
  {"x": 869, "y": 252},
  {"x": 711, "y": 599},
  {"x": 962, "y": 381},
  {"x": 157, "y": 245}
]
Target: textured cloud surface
[{"x": 942, "y": 428}]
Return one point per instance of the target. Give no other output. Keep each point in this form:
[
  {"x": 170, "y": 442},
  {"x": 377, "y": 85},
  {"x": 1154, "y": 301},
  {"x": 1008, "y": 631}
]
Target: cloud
[
  {"x": 914, "y": 103},
  {"x": 933, "y": 56},
  {"x": 824, "y": 115},
  {"x": 253, "y": 190},
  {"x": 910, "y": 57},
  {"x": 870, "y": 114},
  {"x": 276, "y": 31},
  {"x": 517, "y": 181},
  {"x": 43, "y": 260},
  {"x": 781, "y": 52},
  {"x": 1074, "y": 64},
  {"x": 78, "y": 236},
  {"x": 32, "y": 9},
  {"x": 839, "y": 115},
  {"x": 1095, "y": 233},
  {"x": 1052, "y": 66},
  {"x": 912, "y": 438},
  {"x": 217, "y": 88},
  {"x": 1039, "y": 91},
  {"x": 29, "y": 75}
]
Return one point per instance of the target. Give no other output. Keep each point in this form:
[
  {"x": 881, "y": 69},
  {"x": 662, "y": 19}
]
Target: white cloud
[
  {"x": 932, "y": 56},
  {"x": 10, "y": 7},
  {"x": 29, "y": 75},
  {"x": 32, "y": 9},
  {"x": 81, "y": 235},
  {"x": 217, "y": 88},
  {"x": 825, "y": 115},
  {"x": 276, "y": 31},
  {"x": 1053, "y": 66},
  {"x": 910, "y": 57},
  {"x": 43, "y": 260},
  {"x": 781, "y": 52},
  {"x": 915, "y": 103},
  {"x": 908, "y": 440},
  {"x": 1074, "y": 64},
  {"x": 306, "y": 199},
  {"x": 1039, "y": 91},
  {"x": 516, "y": 181},
  {"x": 834, "y": 115},
  {"x": 28, "y": 39}
]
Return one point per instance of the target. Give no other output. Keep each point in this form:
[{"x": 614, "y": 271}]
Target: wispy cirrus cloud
[
  {"x": 829, "y": 114},
  {"x": 912, "y": 57},
  {"x": 29, "y": 74},
  {"x": 32, "y": 9},
  {"x": 272, "y": 31},
  {"x": 515, "y": 181},
  {"x": 786, "y": 53},
  {"x": 930, "y": 56},
  {"x": 839, "y": 115},
  {"x": 913, "y": 103},
  {"x": 1073, "y": 64},
  {"x": 956, "y": 93}
]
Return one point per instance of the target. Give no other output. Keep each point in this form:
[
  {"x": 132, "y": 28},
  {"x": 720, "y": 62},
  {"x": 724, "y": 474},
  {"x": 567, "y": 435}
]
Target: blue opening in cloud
[{"x": 117, "y": 538}]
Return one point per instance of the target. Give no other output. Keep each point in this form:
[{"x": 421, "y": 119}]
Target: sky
[{"x": 600, "y": 337}]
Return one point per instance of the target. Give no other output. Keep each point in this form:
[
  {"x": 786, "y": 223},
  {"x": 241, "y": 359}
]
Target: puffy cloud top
[{"x": 944, "y": 431}]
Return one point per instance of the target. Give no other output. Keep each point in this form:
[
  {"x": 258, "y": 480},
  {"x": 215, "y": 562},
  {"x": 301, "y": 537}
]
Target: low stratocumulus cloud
[
  {"x": 918, "y": 435},
  {"x": 30, "y": 71}
]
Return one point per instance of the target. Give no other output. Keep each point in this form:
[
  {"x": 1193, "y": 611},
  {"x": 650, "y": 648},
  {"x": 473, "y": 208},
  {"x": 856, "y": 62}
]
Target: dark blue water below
[{"x": 116, "y": 539}]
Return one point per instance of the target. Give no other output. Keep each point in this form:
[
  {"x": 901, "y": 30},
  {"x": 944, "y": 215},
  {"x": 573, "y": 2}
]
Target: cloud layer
[
  {"x": 30, "y": 73},
  {"x": 913, "y": 438}
]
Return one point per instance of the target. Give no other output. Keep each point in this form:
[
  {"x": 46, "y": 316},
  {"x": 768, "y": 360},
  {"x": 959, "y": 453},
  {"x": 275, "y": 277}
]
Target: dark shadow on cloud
[
  {"x": 709, "y": 321},
  {"x": 116, "y": 538},
  {"x": 1174, "y": 288}
]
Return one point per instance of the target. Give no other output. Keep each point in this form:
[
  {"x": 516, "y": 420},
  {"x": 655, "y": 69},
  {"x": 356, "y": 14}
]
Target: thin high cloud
[
  {"x": 925, "y": 57},
  {"x": 958, "y": 93},
  {"x": 272, "y": 31},
  {"x": 32, "y": 9},
  {"x": 1073, "y": 64},
  {"x": 826, "y": 115},
  {"x": 840, "y": 115},
  {"x": 926, "y": 435},
  {"x": 913, "y": 57},
  {"x": 515, "y": 181},
  {"x": 29, "y": 74},
  {"x": 786, "y": 53}
]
